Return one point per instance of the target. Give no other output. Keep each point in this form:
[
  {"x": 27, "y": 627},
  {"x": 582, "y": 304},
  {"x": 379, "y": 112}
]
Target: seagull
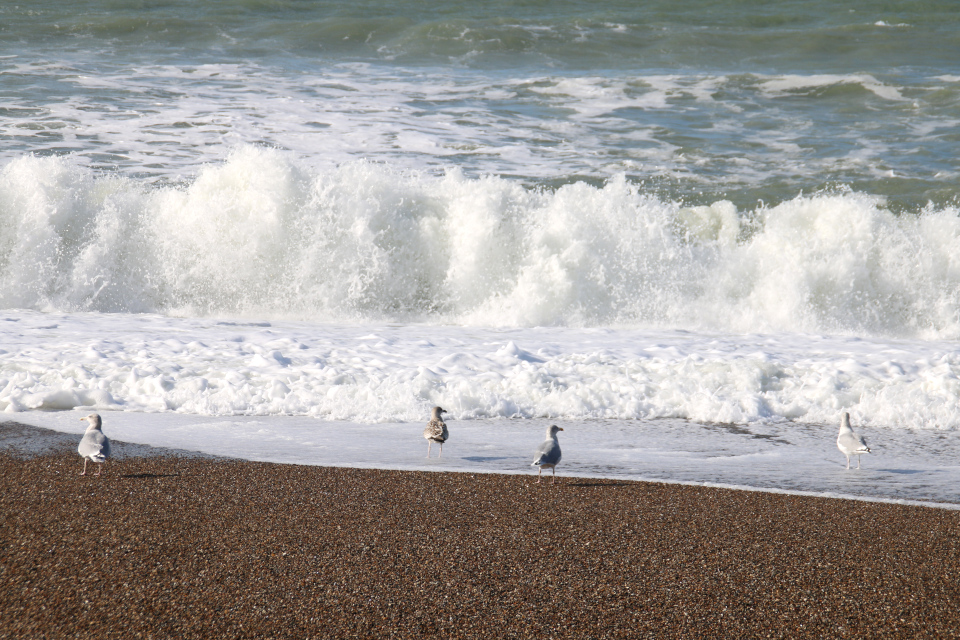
[
  {"x": 94, "y": 445},
  {"x": 436, "y": 431},
  {"x": 850, "y": 443},
  {"x": 548, "y": 454}
]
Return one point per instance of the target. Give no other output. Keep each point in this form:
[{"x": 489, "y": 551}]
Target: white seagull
[
  {"x": 436, "y": 431},
  {"x": 94, "y": 445},
  {"x": 850, "y": 443},
  {"x": 548, "y": 454}
]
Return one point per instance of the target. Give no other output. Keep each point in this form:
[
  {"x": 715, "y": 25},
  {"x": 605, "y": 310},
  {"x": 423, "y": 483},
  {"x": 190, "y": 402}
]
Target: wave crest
[{"x": 260, "y": 235}]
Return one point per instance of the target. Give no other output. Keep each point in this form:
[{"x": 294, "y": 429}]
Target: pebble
[{"x": 165, "y": 547}]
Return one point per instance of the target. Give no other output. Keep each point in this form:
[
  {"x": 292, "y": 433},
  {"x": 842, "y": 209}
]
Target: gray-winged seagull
[
  {"x": 850, "y": 443},
  {"x": 94, "y": 445},
  {"x": 548, "y": 454}
]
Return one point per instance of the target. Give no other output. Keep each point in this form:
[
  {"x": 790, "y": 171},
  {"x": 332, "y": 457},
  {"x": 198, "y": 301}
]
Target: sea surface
[{"x": 730, "y": 220}]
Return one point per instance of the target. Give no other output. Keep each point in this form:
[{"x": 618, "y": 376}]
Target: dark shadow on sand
[
  {"x": 599, "y": 484},
  {"x": 151, "y": 475}
]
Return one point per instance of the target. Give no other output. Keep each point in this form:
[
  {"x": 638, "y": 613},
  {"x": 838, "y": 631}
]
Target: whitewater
[
  {"x": 691, "y": 236},
  {"x": 261, "y": 235},
  {"x": 273, "y": 313}
]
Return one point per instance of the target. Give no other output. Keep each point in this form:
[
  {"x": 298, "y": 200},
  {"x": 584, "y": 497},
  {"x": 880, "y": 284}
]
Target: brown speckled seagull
[
  {"x": 94, "y": 445},
  {"x": 436, "y": 431}
]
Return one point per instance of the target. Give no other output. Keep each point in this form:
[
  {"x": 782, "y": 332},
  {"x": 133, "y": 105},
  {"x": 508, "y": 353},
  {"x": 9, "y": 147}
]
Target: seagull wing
[
  {"x": 436, "y": 430},
  {"x": 547, "y": 453},
  {"x": 861, "y": 443},
  {"x": 852, "y": 443},
  {"x": 94, "y": 445}
]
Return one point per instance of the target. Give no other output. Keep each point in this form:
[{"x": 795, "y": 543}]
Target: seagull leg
[
  {"x": 429, "y": 444},
  {"x": 440, "y": 455},
  {"x": 848, "y": 462},
  {"x": 858, "y": 462},
  {"x": 84, "y": 472},
  {"x": 99, "y": 469},
  {"x": 539, "y": 471},
  {"x": 554, "y": 476}
]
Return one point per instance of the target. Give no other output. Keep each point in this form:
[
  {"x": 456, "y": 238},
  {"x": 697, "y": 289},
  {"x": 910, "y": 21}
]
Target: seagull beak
[
  {"x": 82, "y": 419},
  {"x": 559, "y": 428}
]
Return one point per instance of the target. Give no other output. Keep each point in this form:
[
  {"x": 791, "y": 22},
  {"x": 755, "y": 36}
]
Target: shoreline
[
  {"x": 175, "y": 546},
  {"x": 30, "y": 439},
  {"x": 26, "y": 441}
]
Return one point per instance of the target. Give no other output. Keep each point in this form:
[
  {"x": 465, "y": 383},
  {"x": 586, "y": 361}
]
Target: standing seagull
[
  {"x": 436, "y": 431},
  {"x": 548, "y": 454},
  {"x": 94, "y": 445},
  {"x": 851, "y": 443}
]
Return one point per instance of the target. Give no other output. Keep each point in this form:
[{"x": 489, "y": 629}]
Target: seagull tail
[{"x": 98, "y": 457}]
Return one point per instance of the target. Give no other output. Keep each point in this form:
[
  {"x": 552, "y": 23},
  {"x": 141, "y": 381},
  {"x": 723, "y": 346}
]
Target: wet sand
[{"x": 169, "y": 546}]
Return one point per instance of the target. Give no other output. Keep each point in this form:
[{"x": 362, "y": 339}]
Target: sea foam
[
  {"x": 381, "y": 373},
  {"x": 262, "y": 235}
]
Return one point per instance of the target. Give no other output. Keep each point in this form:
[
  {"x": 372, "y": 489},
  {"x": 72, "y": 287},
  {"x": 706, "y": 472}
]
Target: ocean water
[{"x": 305, "y": 218}]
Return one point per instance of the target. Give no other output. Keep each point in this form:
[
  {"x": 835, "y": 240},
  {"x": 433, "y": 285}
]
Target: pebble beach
[
  {"x": 263, "y": 239},
  {"x": 167, "y": 545}
]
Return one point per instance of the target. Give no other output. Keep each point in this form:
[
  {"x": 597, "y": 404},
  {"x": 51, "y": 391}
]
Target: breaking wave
[{"x": 261, "y": 235}]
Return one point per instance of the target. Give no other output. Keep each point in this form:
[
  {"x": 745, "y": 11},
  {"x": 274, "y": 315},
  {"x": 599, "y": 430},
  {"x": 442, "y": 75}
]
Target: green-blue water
[
  {"x": 744, "y": 166},
  {"x": 748, "y": 101}
]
